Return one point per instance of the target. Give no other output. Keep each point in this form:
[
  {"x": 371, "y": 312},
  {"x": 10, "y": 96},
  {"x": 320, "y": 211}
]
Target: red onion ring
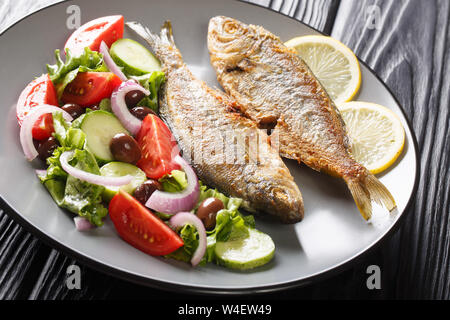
[
  {"x": 182, "y": 218},
  {"x": 82, "y": 224},
  {"x": 120, "y": 109},
  {"x": 112, "y": 66},
  {"x": 90, "y": 177},
  {"x": 26, "y": 137},
  {"x": 169, "y": 202}
]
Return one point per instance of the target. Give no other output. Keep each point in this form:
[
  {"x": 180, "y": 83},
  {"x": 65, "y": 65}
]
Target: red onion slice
[
  {"x": 26, "y": 137},
  {"x": 41, "y": 173},
  {"x": 120, "y": 109},
  {"x": 182, "y": 218},
  {"x": 82, "y": 224},
  {"x": 168, "y": 202},
  {"x": 90, "y": 177},
  {"x": 112, "y": 66}
]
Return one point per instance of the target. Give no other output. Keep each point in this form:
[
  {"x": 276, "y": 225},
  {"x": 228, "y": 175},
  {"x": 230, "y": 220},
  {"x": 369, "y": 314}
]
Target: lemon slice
[
  {"x": 376, "y": 133},
  {"x": 332, "y": 62}
]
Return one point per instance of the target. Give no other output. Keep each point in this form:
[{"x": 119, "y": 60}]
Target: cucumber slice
[
  {"x": 119, "y": 169},
  {"x": 253, "y": 251},
  {"x": 133, "y": 57},
  {"x": 100, "y": 127}
]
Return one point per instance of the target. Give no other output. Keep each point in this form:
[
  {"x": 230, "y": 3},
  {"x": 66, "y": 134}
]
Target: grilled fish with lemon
[
  {"x": 273, "y": 86},
  {"x": 201, "y": 119}
]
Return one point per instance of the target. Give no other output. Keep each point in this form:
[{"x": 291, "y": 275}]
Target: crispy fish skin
[
  {"x": 199, "y": 118},
  {"x": 273, "y": 86}
]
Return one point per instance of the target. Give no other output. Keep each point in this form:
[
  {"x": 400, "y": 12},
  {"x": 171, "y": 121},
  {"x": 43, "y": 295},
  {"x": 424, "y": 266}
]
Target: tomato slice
[
  {"x": 92, "y": 33},
  {"x": 89, "y": 88},
  {"x": 37, "y": 92},
  {"x": 138, "y": 226},
  {"x": 158, "y": 147}
]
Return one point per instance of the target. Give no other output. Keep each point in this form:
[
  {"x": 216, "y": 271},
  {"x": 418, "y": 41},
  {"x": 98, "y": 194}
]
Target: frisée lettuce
[{"x": 62, "y": 73}]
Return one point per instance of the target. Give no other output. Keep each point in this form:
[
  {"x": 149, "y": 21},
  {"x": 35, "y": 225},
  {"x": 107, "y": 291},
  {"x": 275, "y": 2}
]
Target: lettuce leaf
[
  {"x": 62, "y": 73},
  {"x": 77, "y": 196},
  {"x": 176, "y": 181},
  {"x": 230, "y": 223},
  {"x": 105, "y": 105},
  {"x": 189, "y": 235},
  {"x": 67, "y": 136},
  {"x": 152, "y": 82}
]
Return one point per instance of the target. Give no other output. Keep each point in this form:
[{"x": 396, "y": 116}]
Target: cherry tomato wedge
[
  {"x": 138, "y": 226},
  {"x": 37, "y": 92},
  {"x": 43, "y": 128},
  {"x": 92, "y": 33},
  {"x": 158, "y": 147},
  {"x": 89, "y": 88}
]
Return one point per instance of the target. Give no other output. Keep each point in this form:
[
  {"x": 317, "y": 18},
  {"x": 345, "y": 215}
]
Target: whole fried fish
[
  {"x": 273, "y": 86},
  {"x": 226, "y": 150}
]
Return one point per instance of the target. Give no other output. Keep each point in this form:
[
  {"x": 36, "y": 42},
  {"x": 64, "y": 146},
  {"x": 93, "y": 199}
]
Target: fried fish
[
  {"x": 274, "y": 87},
  {"x": 201, "y": 118}
]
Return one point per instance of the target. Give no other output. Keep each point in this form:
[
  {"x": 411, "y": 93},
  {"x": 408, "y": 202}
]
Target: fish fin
[{"x": 368, "y": 190}]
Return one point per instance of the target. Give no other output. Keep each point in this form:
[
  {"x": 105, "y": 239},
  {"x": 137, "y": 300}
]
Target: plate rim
[{"x": 183, "y": 288}]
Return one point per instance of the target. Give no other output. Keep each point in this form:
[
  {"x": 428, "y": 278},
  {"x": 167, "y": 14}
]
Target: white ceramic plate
[{"x": 332, "y": 233}]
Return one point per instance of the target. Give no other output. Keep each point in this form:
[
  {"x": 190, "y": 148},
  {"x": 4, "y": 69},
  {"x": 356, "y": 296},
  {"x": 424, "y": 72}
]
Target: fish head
[{"x": 230, "y": 41}]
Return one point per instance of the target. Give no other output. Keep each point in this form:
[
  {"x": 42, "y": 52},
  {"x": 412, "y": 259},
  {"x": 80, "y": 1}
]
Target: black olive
[
  {"x": 73, "y": 109},
  {"x": 36, "y": 143},
  {"x": 141, "y": 112},
  {"x": 145, "y": 190},
  {"x": 133, "y": 97},
  {"x": 45, "y": 148},
  {"x": 207, "y": 212},
  {"x": 124, "y": 148}
]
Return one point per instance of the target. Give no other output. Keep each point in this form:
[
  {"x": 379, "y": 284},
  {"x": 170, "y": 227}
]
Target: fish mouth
[
  {"x": 224, "y": 25},
  {"x": 227, "y": 36},
  {"x": 289, "y": 206}
]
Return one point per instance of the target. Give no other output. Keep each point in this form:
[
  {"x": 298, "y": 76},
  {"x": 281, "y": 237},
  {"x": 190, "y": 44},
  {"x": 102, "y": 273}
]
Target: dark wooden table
[{"x": 407, "y": 43}]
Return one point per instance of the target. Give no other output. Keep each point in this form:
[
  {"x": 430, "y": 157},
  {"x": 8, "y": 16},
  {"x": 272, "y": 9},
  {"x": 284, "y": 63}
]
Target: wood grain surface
[
  {"x": 407, "y": 44},
  {"x": 410, "y": 52}
]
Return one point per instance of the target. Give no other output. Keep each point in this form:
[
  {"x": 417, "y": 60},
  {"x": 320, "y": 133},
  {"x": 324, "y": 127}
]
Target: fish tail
[
  {"x": 151, "y": 38},
  {"x": 163, "y": 45},
  {"x": 166, "y": 34},
  {"x": 367, "y": 190},
  {"x": 361, "y": 196},
  {"x": 380, "y": 193}
]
